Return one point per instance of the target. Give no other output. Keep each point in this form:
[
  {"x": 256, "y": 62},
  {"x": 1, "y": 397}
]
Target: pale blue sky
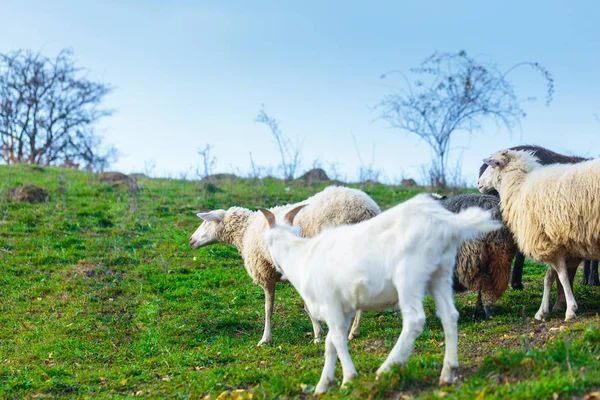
[{"x": 189, "y": 73}]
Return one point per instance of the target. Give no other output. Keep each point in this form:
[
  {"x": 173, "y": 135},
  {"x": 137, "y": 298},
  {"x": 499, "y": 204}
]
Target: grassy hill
[{"x": 99, "y": 301}]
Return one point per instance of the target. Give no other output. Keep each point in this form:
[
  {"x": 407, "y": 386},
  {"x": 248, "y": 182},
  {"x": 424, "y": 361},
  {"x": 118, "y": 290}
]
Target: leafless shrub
[{"x": 289, "y": 154}]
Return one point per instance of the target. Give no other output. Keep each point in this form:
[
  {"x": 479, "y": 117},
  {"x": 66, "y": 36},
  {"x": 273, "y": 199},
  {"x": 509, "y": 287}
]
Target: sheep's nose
[{"x": 192, "y": 240}]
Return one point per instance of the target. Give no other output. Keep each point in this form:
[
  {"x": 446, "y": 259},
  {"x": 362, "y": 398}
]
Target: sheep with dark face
[
  {"x": 482, "y": 264},
  {"x": 546, "y": 157}
]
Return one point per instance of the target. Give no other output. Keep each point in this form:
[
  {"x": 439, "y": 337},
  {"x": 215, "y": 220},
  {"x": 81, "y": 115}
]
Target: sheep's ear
[
  {"x": 494, "y": 163},
  {"x": 289, "y": 216},
  {"x": 268, "y": 215},
  {"x": 215, "y": 216},
  {"x": 504, "y": 153}
]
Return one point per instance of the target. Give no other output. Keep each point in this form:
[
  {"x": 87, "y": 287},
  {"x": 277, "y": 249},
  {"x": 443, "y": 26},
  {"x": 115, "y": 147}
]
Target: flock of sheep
[{"x": 343, "y": 255}]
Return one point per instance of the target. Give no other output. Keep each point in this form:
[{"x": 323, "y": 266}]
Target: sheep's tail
[{"x": 474, "y": 221}]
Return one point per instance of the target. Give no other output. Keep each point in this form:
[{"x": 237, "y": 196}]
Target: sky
[{"x": 191, "y": 73}]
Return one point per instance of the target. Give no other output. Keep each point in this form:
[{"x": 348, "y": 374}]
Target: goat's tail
[{"x": 474, "y": 221}]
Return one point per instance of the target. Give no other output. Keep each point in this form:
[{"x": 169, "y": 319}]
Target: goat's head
[{"x": 277, "y": 231}]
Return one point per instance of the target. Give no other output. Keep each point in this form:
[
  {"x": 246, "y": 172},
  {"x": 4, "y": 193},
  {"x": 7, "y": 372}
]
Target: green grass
[{"x": 99, "y": 302}]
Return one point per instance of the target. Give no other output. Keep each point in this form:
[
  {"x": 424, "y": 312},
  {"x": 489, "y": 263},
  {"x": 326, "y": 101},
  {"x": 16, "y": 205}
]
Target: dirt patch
[
  {"x": 113, "y": 177},
  {"x": 221, "y": 177},
  {"x": 93, "y": 269},
  {"x": 29, "y": 193}
]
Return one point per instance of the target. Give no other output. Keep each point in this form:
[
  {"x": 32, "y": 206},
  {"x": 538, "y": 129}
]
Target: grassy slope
[{"x": 98, "y": 302}]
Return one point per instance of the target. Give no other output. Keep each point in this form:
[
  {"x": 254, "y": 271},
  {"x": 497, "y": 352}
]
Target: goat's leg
[
  {"x": 586, "y": 272},
  {"x": 338, "y": 330},
  {"x": 441, "y": 291},
  {"x": 410, "y": 299},
  {"x": 593, "y": 279},
  {"x": 327, "y": 375},
  {"x": 317, "y": 330},
  {"x": 269, "y": 300},
  {"x": 545, "y": 306},
  {"x": 355, "y": 329},
  {"x": 516, "y": 279},
  {"x": 563, "y": 276}
]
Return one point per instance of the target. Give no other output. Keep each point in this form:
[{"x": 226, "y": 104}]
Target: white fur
[
  {"x": 242, "y": 228},
  {"x": 389, "y": 260}
]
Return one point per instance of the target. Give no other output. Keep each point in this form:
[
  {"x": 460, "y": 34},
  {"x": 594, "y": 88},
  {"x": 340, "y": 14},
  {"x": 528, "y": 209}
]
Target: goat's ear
[
  {"x": 289, "y": 216},
  {"x": 268, "y": 215},
  {"x": 494, "y": 163},
  {"x": 215, "y": 216}
]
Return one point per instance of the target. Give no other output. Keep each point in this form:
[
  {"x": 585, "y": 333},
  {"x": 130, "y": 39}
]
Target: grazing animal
[
  {"x": 483, "y": 264},
  {"x": 390, "y": 260},
  {"x": 551, "y": 212},
  {"x": 546, "y": 157},
  {"x": 242, "y": 229}
]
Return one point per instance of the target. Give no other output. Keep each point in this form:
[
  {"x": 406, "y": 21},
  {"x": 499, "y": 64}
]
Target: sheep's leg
[
  {"x": 478, "y": 305},
  {"x": 410, "y": 299},
  {"x": 327, "y": 375},
  {"x": 269, "y": 300},
  {"x": 441, "y": 291},
  {"x": 561, "y": 303},
  {"x": 594, "y": 274},
  {"x": 586, "y": 272},
  {"x": 545, "y": 306},
  {"x": 516, "y": 279},
  {"x": 355, "y": 329},
  {"x": 563, "y": 276},
  {"x": 317, "y": 329}
]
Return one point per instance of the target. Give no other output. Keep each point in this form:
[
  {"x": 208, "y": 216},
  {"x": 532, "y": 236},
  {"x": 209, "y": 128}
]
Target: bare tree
[
  {"x": 290, "y": 154},
  {"x": 455, "y": 92},
  {"x": 208, "y": 162},
  {"x": 48, "y": 109}
]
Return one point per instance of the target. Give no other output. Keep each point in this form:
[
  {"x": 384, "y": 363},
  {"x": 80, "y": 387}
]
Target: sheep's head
[
  {"x": 490, "y": 179},
  {"x": 275, "y": 230},
  {"x": 210, "y": 229}
]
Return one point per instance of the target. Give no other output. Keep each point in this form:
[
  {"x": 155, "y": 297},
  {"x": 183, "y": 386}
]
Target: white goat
[
  {"x": 389, "y": 260},
  {"x": 242, "y": 228}
]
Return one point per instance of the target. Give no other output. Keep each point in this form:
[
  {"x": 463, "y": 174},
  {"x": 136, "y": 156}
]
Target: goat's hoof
[
  {"x": 382, "y": 370},
  {"x": 517, "y": 286},
  {"x": 569, "y": 316},
  {"x": 349, "y": 379},
  {"x": 448, "y": 376},
  {"x": 317, "y": 340},
  {"x": 264, "y": 342},
  {"x": 352, "y": 336},
  {"x": 321, "y": 388},
  {"x": 540, "y": 316}
]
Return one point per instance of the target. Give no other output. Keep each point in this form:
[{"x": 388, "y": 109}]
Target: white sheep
[
  {"x": 242, "y": 229},
  {"x": 389, "y": 260},
  {"x": 552, "y": 212}
]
